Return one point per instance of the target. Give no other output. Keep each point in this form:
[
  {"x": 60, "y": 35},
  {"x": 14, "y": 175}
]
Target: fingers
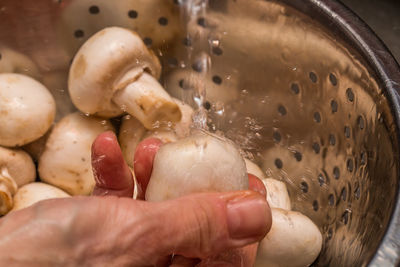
[
  {"x": 143, "y": 160},
  {"x": 201, "y": 225},
  {"x": 257, "y": 185},
  {"x": 111, "y": 173},
  {"x": 127, "y": 232},
  {"x": 180, "y": 261},
  {"x": 244, "y": 256}
]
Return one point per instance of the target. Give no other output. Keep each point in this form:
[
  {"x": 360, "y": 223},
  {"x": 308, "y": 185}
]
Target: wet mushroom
[
  {"x": 253, "y": 168},
  {"x": 32, "y": 193},
  {"x": 277, "y": 194},
  {"x": 294, "y": 240},
  {"x": 66, "y": 160},
  {"x": 132, "y": 132},
  {"x": 199, "y": 163},
  {"x": 12, "y": 61},
  {"x": 182, "y": 128},
  {"x": 27, "y": 109},
  {"x": 16, "y": 170},
  {"x": 114, "y": 72}
]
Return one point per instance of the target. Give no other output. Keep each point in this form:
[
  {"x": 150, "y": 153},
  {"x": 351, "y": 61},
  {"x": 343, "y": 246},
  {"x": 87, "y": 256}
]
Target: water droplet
[{"x": 219, "y": 108}]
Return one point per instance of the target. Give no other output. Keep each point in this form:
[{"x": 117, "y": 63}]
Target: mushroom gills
[{"x": 8, "y": 187}]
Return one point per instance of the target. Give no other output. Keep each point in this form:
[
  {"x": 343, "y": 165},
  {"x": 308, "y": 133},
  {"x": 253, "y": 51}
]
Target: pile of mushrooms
[
  {"x": 114, "y": 74},
  {"x": 27, "y": 111},
  {"x": 294, "y": 240}
]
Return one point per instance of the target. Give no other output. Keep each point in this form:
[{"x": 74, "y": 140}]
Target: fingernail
[{"x": 247, "y": 216}]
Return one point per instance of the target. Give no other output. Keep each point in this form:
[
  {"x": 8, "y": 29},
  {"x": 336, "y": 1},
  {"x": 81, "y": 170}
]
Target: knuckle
[{"x": 204, "y": 229}]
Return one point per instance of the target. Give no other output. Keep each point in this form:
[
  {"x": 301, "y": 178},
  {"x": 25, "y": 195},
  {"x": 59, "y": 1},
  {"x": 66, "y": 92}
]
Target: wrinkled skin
[{"x": 113, "y": 229}]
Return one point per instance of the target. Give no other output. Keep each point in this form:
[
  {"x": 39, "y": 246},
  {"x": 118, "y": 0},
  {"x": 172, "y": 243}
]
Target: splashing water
[{"x": 191, "y": 10}]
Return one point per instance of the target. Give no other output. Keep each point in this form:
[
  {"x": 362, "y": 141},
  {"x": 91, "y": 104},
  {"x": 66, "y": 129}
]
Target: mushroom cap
[
  {"x": 19, "y": 165},
  {"x": 277, "y": 194},
  {"x": 165, "y": 135},
  {"x": 294, "y": 240},
  {"x": 32, "y": 193},
  {"x": 107, "y": 62},
  {"x": 253, "y": 168},
  {"x": 199, "y": 163},
  {"x": 27, "y": 109},
  {"x": 66, "y": 161},
  {"x": 15, "y": 62}
]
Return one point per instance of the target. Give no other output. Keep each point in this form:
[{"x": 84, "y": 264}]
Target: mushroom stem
[
  {"x": 8, "y": 187},
  {"x": 147, "y": 100}
]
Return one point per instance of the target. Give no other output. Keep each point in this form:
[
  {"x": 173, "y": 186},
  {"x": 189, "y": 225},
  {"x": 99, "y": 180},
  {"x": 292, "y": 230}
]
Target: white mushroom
[
  {"x": 27, "y": 110},
  {"x": 199, "y": 163},
  {"x": 18, "y": 164},
  {"x": 16, "y": 169},
  {"x": 294, "y": 240},
  {"x": 132, "y": 131},
  {"x": 12, "y": 61},
  {"x": 66, "y": 161},
  {"x": 253, "y": 168},
  {"x": 34, "y": 192},
  {"x": 277, "y": 194},
  {"x": 8, "y": 187},
  {"x": 113, "y": 72},
  {"x": 166, "y": 136},
  {"x": 182, "y": 128}
]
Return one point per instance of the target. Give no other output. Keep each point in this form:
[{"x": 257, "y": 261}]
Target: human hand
[
  {"x": 120, "y": 231},
  {"x": 106, "y": 144}
]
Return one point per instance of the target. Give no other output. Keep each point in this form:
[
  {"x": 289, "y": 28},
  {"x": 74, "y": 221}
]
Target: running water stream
[{"x": 191, "y": 10}]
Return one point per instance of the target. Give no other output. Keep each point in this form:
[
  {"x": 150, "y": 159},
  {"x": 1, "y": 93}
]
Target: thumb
[{"x": 202, "y": 225}]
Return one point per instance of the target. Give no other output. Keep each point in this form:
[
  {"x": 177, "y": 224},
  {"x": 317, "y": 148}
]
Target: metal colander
[{"x": 303, "y": 86}]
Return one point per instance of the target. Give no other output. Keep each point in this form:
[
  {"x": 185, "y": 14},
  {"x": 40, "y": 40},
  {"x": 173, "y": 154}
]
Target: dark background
[{"x": 383, "y": 16}]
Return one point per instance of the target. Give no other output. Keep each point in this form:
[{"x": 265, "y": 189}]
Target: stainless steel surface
[{"x": 299, "y": 100}]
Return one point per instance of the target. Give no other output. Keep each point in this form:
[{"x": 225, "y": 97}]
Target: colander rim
[{"x": 352, "y": 29}]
